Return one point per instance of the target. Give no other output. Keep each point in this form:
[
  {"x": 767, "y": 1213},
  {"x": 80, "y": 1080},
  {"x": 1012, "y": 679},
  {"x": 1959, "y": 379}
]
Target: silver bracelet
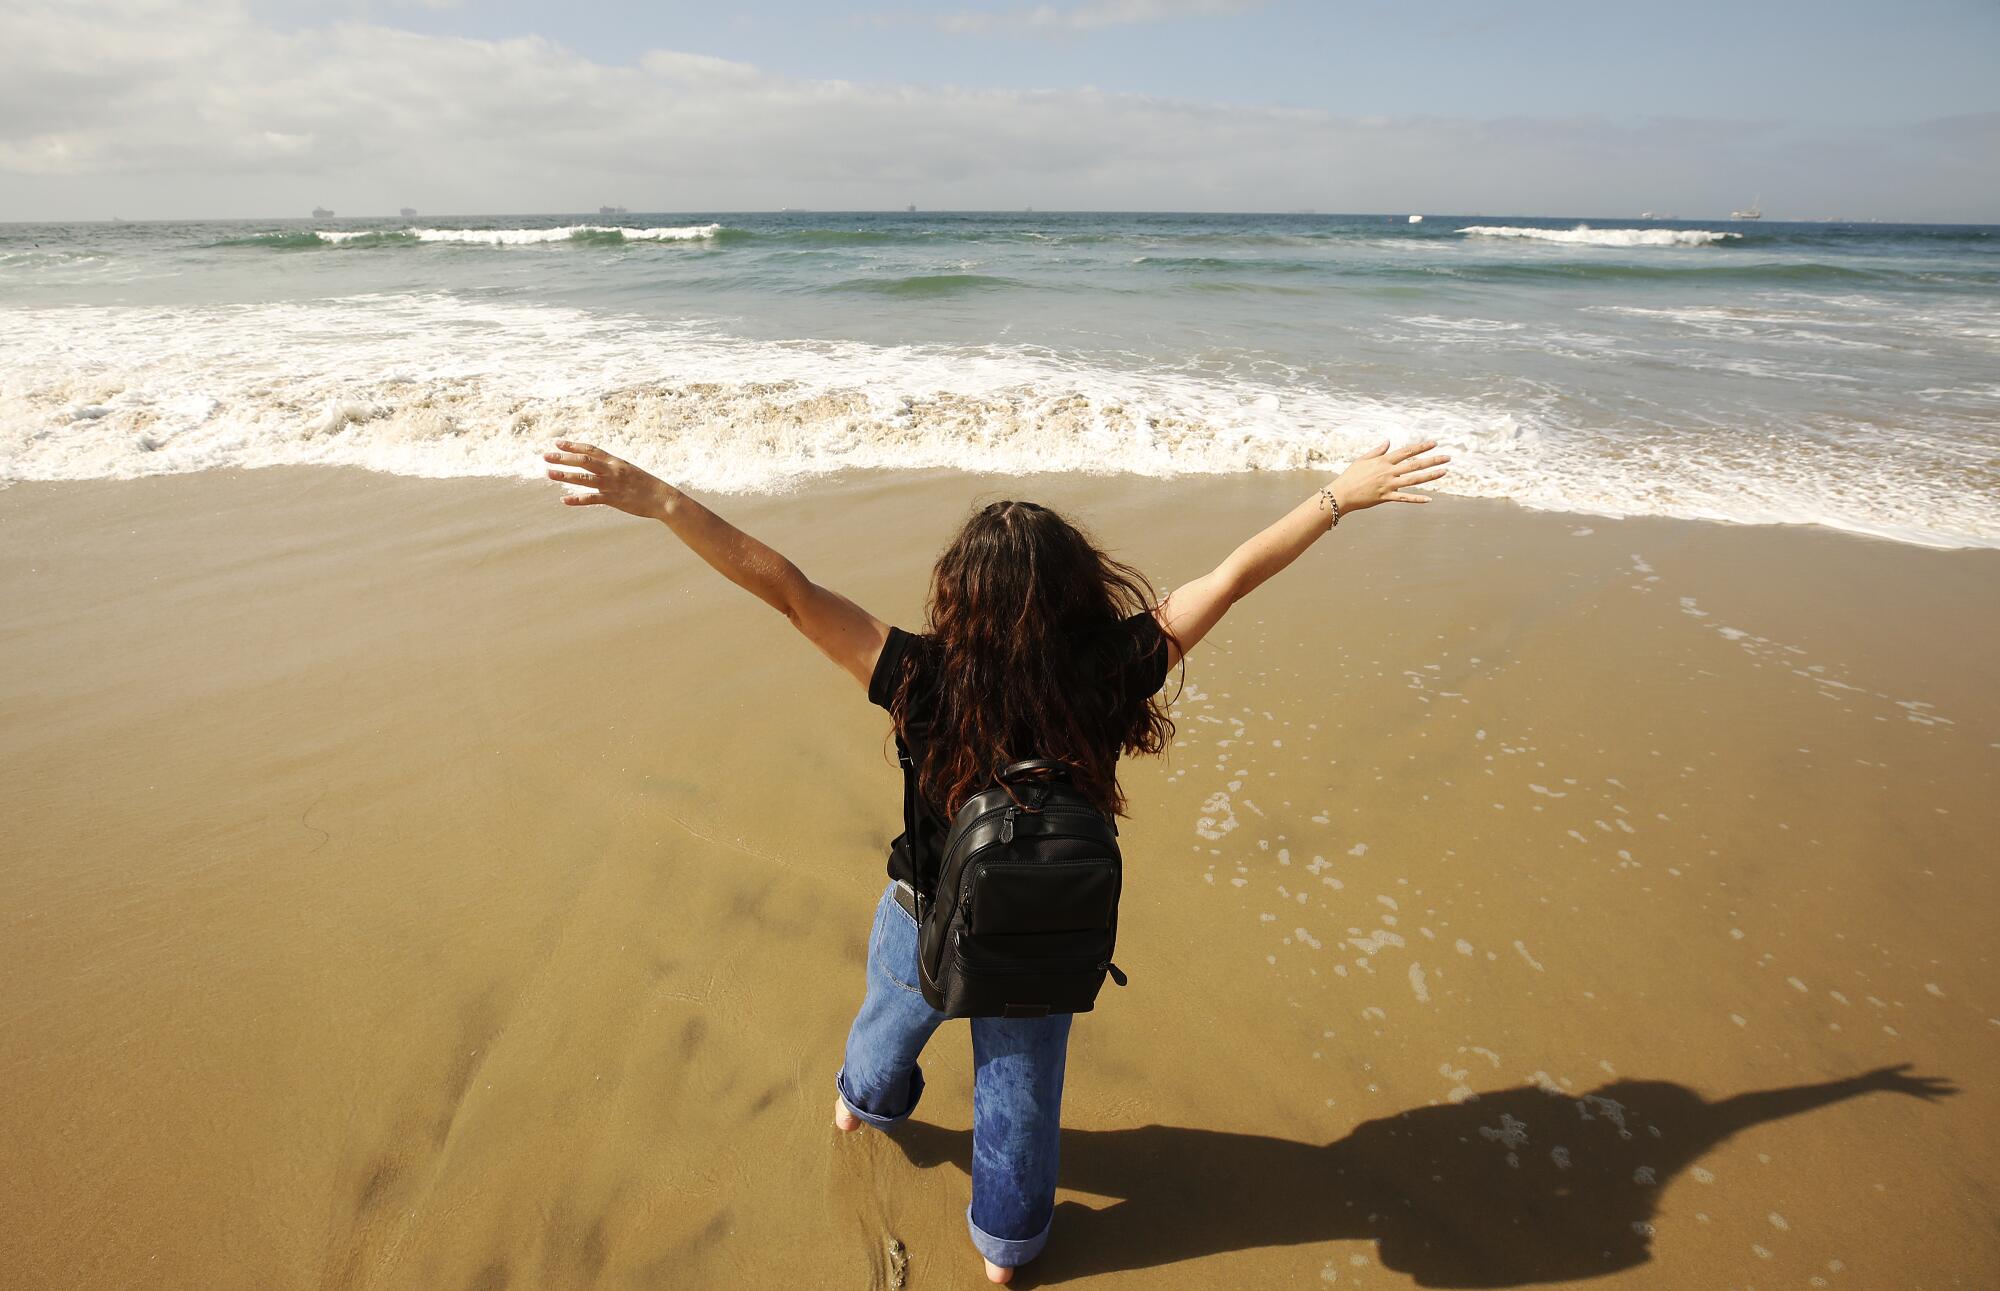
[{"x": 1332, "y": 504}]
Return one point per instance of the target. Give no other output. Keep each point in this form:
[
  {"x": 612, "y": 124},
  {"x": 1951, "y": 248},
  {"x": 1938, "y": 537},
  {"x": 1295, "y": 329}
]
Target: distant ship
[
  {"x": 1753, "y": 213},
  {"x": 1416, "y": 219},
  {"x": 409, "y": 212},
  {"x": 321, "y": 213},
  {"x": 911, "y": 208},
  {"x": 611, "y": 210}
]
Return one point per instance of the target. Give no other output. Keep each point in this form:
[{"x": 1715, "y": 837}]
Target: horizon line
[{"x": 1297, "y": 212}]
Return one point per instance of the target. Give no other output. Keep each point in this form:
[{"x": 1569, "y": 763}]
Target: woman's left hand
[
  {"x": 1379, "y": 476},
  {"x": 618, "y": 483}
]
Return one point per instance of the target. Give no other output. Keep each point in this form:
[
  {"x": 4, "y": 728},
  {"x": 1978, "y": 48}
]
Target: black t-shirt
[{"x": 1130, "y": 658}]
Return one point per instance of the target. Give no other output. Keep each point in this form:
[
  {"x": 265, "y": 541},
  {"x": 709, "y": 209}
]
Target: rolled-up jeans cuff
[
  {"x": 1008, "y": 1255},
  {"x": 873, "y": 1118}
]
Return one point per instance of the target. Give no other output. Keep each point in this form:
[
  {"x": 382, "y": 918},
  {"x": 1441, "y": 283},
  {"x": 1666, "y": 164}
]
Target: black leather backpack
[{"x": 1024, "y": 913}]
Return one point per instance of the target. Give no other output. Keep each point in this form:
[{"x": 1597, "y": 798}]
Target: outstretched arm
[
  {"x": 1758, "y": 1106},
  {"x": 1377, "y": 476},
  {"x": 843, "y": 631}
]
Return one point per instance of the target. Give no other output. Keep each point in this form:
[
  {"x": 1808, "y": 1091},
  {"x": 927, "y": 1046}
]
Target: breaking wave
[
  {"x": 587, "y": 233},
  {"x": 567, "y": 233},
  {"x": 391, "y": 383},
  {"x": 441, "y": 386},
  {"x": 1585, "y": 236}
]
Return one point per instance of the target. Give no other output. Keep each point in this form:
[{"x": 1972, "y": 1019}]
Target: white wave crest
[
  {"x": 1584, "y": 235},
  {"x": 521, "y": 237},
  {"x": 390, "y": 383},
  {"x": 565, "y": 233},
  {"x": 435, "y": 386}
]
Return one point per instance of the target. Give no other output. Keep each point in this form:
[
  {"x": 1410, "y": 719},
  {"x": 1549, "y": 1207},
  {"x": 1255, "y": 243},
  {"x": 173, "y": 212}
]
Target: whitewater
[
  {"x": 518, "y": 237},
  {"x": 1830, "y": 375}
]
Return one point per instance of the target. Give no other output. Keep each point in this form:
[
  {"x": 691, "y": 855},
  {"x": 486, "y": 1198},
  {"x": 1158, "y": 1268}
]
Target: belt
[{"x": 906, "y": 897}]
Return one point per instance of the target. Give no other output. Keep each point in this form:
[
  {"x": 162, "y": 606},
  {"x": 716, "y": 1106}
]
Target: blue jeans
[{"x": 1016, "y": 1089}]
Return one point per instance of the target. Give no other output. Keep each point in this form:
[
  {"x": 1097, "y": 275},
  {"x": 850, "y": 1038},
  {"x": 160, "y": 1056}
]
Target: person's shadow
[{"x": 1514, "y": 1187}]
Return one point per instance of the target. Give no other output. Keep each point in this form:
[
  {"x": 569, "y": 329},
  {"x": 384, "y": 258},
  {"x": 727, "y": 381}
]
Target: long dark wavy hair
[{"x": 1010, "y": 599}]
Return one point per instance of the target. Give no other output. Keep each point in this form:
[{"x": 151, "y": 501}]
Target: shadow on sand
[{"x": 1516, "y": 1187}]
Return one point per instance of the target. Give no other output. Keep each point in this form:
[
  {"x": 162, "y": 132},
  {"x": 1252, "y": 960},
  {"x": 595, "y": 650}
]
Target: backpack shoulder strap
[{"x": 912, "y": 838}]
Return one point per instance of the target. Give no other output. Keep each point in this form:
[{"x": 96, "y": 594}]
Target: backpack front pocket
[
  {"x": 1043, "y": 896},
  {"x": 1027, "y": 974}
]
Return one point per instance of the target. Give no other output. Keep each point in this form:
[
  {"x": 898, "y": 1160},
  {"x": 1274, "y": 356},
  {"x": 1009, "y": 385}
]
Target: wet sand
[{"x": 420, "y": 884}]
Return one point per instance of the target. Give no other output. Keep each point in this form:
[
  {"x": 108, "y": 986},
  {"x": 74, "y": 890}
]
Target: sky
[{"x": 267, "y": 108}]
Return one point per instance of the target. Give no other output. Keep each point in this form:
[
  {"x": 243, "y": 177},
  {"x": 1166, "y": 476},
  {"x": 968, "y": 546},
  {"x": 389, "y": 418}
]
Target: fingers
[
  {"x": 600, "y": 471},
  {"x": 1378, "y": 450},
  {"x": 1418, "y": 465},
  {"x": 1422, "y": 477},
  {"x": 1411, "y": 450}
]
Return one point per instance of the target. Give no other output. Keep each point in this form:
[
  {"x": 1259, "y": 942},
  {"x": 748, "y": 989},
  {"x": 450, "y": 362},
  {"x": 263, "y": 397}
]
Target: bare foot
[
  {"x": 994, "y": 1273},
  {"x": 843, "y": 1120}
]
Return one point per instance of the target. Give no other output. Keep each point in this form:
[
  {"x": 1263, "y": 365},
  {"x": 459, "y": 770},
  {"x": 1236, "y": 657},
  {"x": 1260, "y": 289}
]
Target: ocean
[{"x": 1845, "y": 375}]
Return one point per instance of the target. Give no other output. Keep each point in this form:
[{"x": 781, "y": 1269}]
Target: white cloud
[
  {"x": 697, "y": 69},
  {"x": 155, "y": 108}
]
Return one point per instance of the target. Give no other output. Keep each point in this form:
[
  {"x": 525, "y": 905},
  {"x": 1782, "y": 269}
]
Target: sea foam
[
  {"x": 338, "y": 236},
  {"x": 524, "y": 237},
  {"x": 436, "y": 385},
  {"x": 1584, "y": 235}
]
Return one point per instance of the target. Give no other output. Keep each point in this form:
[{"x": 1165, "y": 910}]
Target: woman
[{"x": 1039, "y": 645}]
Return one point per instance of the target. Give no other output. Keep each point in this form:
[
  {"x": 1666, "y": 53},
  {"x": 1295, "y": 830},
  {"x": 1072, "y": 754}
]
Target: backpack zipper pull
[
  {"x": 1007, "y": 826},
  {"x": 1117, "y": 974}
]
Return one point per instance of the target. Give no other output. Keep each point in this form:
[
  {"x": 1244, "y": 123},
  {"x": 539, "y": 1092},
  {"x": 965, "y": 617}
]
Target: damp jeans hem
[
  {"x": 876, "y": 1118},
  {"x": 1008, "y": 1254}
]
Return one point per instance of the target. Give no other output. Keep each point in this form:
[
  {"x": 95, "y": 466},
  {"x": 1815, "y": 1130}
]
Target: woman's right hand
[
  {"x": 618, "y": 482},
  {"x": 1382, "y": 476}
]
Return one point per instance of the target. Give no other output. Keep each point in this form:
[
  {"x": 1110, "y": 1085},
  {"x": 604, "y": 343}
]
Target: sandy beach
[{"x": 417, "y": 884}]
